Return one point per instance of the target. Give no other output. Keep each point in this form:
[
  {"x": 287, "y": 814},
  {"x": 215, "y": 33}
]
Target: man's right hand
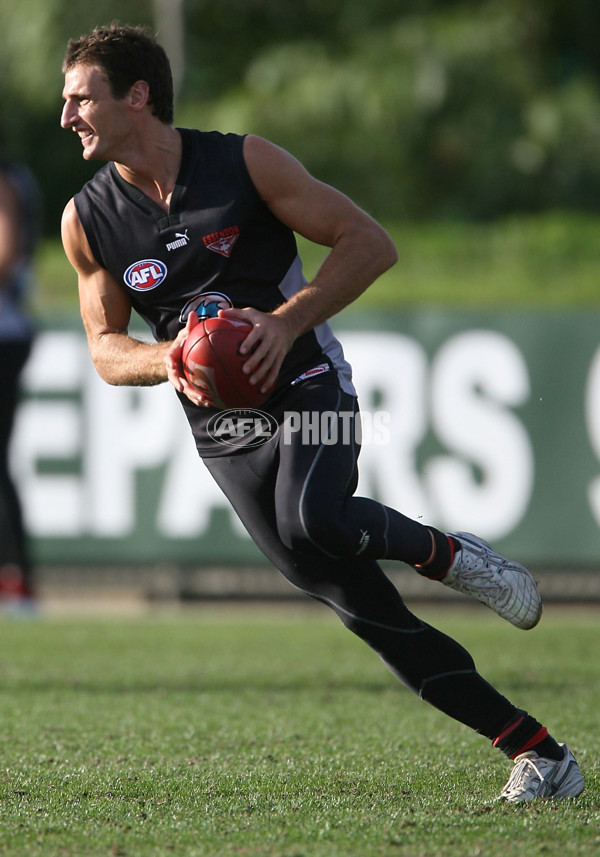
[{"x": 175, "y": 371}]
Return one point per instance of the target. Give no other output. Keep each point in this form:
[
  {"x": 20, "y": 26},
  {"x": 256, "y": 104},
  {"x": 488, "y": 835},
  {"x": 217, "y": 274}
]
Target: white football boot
[
  {"x": 536, "y": 777},
  {"x": 505, "y": 586}
]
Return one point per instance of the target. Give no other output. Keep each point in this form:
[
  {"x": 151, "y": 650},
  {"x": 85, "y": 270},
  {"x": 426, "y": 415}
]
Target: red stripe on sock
[
  {"x": 431, "y": 556},
  {"x": 452, "y": 551},
  {"x": 506, "y": 732},
  {"x": 539, "y": 736},
  {"x": 423, "y": 565}
]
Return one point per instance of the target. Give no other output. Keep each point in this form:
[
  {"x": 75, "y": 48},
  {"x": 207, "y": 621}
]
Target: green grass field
[{"x": 276, "y": 732}]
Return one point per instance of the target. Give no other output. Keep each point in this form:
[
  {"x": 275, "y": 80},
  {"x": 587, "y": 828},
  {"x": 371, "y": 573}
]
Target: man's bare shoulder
[
  {"x": 75, "y": 240},
  {"x": 70, "y": 224}
]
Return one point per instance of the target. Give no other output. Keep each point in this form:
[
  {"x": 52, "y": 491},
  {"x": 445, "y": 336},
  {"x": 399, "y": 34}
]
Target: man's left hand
[{"x": 266, "y": 345}]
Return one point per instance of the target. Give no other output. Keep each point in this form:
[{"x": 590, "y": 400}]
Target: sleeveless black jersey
[{"x": 218, "y": 246}]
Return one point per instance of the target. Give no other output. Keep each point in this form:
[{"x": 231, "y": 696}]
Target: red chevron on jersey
[{"x": 222, "y": 241}]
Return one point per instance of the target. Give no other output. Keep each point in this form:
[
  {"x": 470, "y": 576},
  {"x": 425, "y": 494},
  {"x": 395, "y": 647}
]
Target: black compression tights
[{"x": 295, "y": 499}]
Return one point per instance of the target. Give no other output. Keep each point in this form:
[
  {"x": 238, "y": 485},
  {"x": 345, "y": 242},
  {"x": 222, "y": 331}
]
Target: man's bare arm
[
  {"x": 361, "y": 250},
  {"x": 119, "y": 358}
]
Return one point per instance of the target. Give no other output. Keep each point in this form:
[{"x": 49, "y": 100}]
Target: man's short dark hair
[{"x": 127, "y": 54}]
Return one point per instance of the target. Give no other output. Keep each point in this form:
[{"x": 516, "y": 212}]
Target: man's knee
[{"x": 313, "y": 534}]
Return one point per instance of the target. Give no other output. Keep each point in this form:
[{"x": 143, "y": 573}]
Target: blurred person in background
[{"x": 20, "y": 216}]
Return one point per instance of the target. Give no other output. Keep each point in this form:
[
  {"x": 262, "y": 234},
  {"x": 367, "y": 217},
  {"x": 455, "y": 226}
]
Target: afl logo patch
[{"x": 145, "y": 275}]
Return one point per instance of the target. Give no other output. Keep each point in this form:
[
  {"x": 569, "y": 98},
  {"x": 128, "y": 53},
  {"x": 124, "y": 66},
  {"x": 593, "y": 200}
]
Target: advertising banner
[{"x": 485, "y": 422}]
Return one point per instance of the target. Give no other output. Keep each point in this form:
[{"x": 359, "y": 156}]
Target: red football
[{"x": 211, "y": 360}]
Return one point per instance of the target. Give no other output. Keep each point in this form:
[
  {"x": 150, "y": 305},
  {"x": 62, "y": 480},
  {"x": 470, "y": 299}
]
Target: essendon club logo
[
  {"x": 145, "y": 275},
  {"x": 222, "y": 241}
]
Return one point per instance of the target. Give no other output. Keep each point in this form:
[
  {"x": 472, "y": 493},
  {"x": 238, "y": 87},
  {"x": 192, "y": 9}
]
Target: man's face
[{"x": 101, "y": 121}]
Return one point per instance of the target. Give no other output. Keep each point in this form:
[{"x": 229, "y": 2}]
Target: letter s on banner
[{"x": 486, "y": 481}]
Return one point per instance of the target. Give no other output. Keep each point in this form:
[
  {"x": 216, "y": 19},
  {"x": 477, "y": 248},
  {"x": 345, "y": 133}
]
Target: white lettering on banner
[
  {"x": 592, "y": 419},
  {"x": 485, "y": 482},
  {"x": 52, "y": 429},
  {"x": 189, "y": 492},
  {"x": 55, "y": 502},
  {"x": 129, "y": 430},
  {"x": 390, "y": 374},
  {"x": 98, "y": 438},
  {"x": 80, "y": 444}
]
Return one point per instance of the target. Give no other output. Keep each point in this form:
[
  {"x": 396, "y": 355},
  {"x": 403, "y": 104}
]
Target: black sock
[
  {"x": 523, "y": 733},
  {"x": 548, "y": 748},
  {"x": 444, "y": 547}
]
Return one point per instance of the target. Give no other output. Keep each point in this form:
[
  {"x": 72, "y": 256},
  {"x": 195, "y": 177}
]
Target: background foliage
[{"x": 418, "y": 109}]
